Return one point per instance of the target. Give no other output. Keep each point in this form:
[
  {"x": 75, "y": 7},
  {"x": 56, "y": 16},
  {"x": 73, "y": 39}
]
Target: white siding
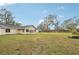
[
  {"x": 30, "y": 28},
  {"x": 12, "y": 31}
]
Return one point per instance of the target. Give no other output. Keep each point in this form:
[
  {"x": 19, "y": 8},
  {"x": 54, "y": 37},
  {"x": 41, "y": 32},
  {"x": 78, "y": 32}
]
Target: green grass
[{"x": 39, "y": 44}]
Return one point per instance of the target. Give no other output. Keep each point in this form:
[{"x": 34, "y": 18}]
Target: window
[
  {"x": 27, "y": 30},
  {"x": 7, "y": 30},
  {"x": 31, "y": 30},
  {"x": 20, "y": 30},
  {"x": 23, "y": 30}
]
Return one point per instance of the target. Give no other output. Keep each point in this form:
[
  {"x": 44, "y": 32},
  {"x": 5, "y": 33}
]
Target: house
[{"x": 11, "y": 29}]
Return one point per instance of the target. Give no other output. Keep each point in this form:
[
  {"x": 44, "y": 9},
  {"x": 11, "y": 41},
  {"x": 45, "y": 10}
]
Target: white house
[{"x": 11, "y": 29}]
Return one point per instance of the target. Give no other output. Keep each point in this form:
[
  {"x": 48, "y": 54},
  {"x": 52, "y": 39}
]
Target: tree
[
  {"x": 18, "y": 24},
  {"x": 40, "y": 27},
  {"x": 77, "y": 22},
  {"x": 70, "y": 24},
  {"x": 6, "y": 17},
  {"x": 57, "y": 25},
  {"x": 43, "y": 26},
  {"x": 48, "y": 20}
]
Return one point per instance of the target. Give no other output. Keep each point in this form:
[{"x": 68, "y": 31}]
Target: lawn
[{"x": 39, "y": 44}]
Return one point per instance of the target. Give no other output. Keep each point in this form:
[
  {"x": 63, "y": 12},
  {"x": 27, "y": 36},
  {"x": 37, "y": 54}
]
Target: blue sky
[{"x": 33, "y": 14}]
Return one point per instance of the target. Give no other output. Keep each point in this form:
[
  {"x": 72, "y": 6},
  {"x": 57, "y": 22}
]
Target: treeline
[{"x": 68, "y": 25}]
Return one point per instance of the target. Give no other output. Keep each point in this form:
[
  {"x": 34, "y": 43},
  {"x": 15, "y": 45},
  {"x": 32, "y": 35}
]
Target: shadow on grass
[{"x": 74, "y": 37}]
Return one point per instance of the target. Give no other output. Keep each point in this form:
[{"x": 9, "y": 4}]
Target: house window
[
  {"x": 22, "y": 30},
  {"x": 31, "y": 30},
  {"x": 27, "y": 30},
  {"x": 7, "y": 30}
]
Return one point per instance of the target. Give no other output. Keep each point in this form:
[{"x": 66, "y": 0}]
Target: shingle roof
[
  {"x": 4, "y": 26},
  {"x": 30, "y": 26}
]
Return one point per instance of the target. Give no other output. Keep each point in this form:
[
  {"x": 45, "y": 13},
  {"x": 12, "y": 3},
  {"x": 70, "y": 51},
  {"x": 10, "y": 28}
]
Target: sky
[{"x": 34, "y": 13}]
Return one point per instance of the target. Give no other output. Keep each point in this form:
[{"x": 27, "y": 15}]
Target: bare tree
[
  {"x": 70, "y": 24},
  {"x": 48, "y": 20},
  {"x": 6, "y": 17}
]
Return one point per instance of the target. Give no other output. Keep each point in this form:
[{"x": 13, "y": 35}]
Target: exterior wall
[
  {"x": 0, "y": 32},
  {"x": 15, "y": 31},
  {"x": 19, "y": 31},
  {"x": 32, "y": 30},
  {"x": 12, "y": 31}
]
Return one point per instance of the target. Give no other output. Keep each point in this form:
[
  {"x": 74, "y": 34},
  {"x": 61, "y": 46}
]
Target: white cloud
[
  {"x": 19, "y": 22},
  {"x": 60, "y": 16},
  {"x": 4, "y": 4},
  {"x": 60, "y": 8},
  {"x": 41, "y": 21}
]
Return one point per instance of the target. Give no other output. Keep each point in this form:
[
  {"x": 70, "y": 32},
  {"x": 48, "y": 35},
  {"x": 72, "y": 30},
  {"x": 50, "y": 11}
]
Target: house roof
[
  {"x": 30, "y": 26},
  {"x": 9, "y": 26}
]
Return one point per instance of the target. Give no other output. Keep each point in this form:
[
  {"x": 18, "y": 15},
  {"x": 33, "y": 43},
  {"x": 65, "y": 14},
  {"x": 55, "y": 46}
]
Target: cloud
[
  {"x": 60, "y": 16},
  {"x": 5, "y": 4},
  {"x": 41, "y": 21},
  {"x": 19, "y": 22},
  {"x": 60, "y": 8}
]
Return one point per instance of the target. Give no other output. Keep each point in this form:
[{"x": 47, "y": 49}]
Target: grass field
[{"x": 39, "y": 44}]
